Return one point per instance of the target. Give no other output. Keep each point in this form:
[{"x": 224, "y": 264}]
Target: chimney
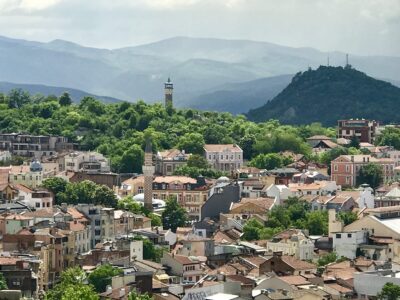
[{"x": 122, "y": 292}]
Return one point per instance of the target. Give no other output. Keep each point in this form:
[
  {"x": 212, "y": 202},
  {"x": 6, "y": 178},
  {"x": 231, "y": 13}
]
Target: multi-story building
[
  {"x": 86, "y": 161},
  {"x": 34, "y": 198},
  {"x": 5, "y": 156},
  {"x": 33, "y": 145},
  {"x": 226, "y": 158},
  {"x": 187, "y": 268},
  {"x": 169, "y": 160},
  {"x": 292, "y": 242},
  {"x": 345, "y": 168},
  {"x": 191, "y": 193},
  {"x": 101, "y": 222},
  {"x": 364, "y": 130},
  {"x": 31, "y": 175}
]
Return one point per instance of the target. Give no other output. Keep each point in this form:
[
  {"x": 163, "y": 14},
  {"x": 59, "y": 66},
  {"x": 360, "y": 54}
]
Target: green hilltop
[{"x": 331, "y": 93}]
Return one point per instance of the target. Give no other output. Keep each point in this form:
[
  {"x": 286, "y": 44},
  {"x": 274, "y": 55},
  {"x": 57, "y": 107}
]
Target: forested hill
[
  {"x": 331, "y": 93},
  {"x": 118, "y": 130}
]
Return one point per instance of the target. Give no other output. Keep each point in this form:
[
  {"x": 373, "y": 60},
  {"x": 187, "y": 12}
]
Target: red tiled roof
[
  {"x": 222, "y": 147},
  {"x": 295, "y": 280},
  {"x": 297, "y": 264},
  {"x": 264, "y": 203},
  {"x": 8, "y": 261}
]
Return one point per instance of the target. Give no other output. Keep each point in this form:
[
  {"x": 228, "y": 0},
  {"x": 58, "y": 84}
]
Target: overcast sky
[{"x": 357, "y": 26}]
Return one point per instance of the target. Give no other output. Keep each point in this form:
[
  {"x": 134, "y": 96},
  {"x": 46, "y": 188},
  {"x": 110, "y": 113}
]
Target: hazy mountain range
[{"x": 215, "y": 74}]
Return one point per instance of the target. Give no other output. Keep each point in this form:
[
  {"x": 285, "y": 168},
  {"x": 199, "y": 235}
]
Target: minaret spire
[
  {"x": 148, "y": 172},
  {"x": 168, "y": 90}
]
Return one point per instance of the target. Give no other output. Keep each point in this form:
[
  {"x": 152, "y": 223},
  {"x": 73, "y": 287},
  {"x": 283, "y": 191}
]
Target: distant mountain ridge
[
  {"x": 76, "y": 95},
  {"x": 328, "y": 94},
  {"x": 197, "y": 66}
]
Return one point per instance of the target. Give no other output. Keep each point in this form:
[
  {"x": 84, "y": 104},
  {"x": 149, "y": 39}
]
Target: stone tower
[
  {"x": 168, "y": 89},
  {"x": 148, "y": 172}
]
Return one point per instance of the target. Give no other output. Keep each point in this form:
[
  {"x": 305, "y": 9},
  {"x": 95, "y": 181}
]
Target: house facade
[
  {"x": 345, "y": 168},
  {"x": 169, "y": 160},
  {"x": 364, "y": 130},
  {"x": 224, "y": 157}
]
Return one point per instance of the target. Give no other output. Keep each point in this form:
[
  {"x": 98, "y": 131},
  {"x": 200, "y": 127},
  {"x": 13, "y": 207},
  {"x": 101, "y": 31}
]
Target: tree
[
  {"x": 174, "y": 215},
  {"x": 56, "y": 185},
  {"x": 155, "y": 220},
  {"x": 65, "y": 99},
  {"x": 72, "y": 279},
  {"x": 3, "y": 282},
  {"x": 371, "y": 174},
  {"x": 390, "y": 291},
  {"x": 192, "y": 143},
  {"x": 18, "y": 98},
  {"x": 251, "y": 230},
  {"x": 347, "y": 217},
  {"x": 135, "y": 296},
  {"x": 267, "y": 161},
  {"x": 198, "y": 161},
  {"x": 127, "y": 203},
  {"x": 72, "y": 292},
  {"x": 354, "y": 142},
  {"x": 317, "y": 222},
  {"x": 327, "y": 259},
  {"x": 87, "y": 192},
  {"x": 101, "y": 277}
]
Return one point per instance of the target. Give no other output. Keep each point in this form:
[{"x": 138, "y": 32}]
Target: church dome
[
  {"x": 36, "y": 166},
  {"x": 223, "y": 179}
]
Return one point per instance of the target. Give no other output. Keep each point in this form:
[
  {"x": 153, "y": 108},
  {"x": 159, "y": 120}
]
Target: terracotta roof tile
[
  {"x": 222, "y": 147},
  {"x": 264, "y": 203},
  {"x": 295, "y": 280},
  {"x": 297, "y": 264}
]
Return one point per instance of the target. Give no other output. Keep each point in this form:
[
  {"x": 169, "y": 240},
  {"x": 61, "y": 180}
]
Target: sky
[{"x": 367, "y": 27}]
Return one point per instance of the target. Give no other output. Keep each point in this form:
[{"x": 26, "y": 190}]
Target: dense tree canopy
[
  {"x": 371, "y": 174},
  {"x": 72, "y": 286},
  {"x": 174, "y": 215},
  {"x": 390, "y": 291},
  {"x": 80, "y": 192},
  {"x": 101, "y": 277},
  {"x": 118, "y": 130},
  {"x": 296, "y": 213}
]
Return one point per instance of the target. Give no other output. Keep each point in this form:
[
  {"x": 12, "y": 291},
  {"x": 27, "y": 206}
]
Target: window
[
  {"x": 209, "y": 156},
  {"x": 349, "y": 235},
  {"x": 335, "y": 167},
  {"x": 37, "y": 204},
  {"x": 347, "y": 168},
  {"x": 338, "y": 236},
  {"x": 97, "y": 222}
]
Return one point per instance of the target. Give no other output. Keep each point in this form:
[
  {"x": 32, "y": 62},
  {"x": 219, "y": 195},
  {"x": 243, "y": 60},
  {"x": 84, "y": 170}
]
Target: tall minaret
[
  {"x": 148, "y": 172},
  {"x": 168, "y": 89}
]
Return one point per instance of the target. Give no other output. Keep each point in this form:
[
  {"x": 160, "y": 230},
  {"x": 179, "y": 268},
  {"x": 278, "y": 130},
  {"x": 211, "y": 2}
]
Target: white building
[
  {"x": 278, "y": 191},
  {"x": 395, "y": 156},
  {"x": 292, "y": 242},
  {"x": 86, "y": 161},
  {"x": 136, "y": 250},
  {"x": 34, "y": 198},
  {"x": 346, "y": 243},
  {"x": 317, "y": 188},
  {"x": 370, "y": 284},
  {"x": 224, "y": 157},
  {"x": 367, "y": 198},
  {"x": 5, "y": 155}
]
